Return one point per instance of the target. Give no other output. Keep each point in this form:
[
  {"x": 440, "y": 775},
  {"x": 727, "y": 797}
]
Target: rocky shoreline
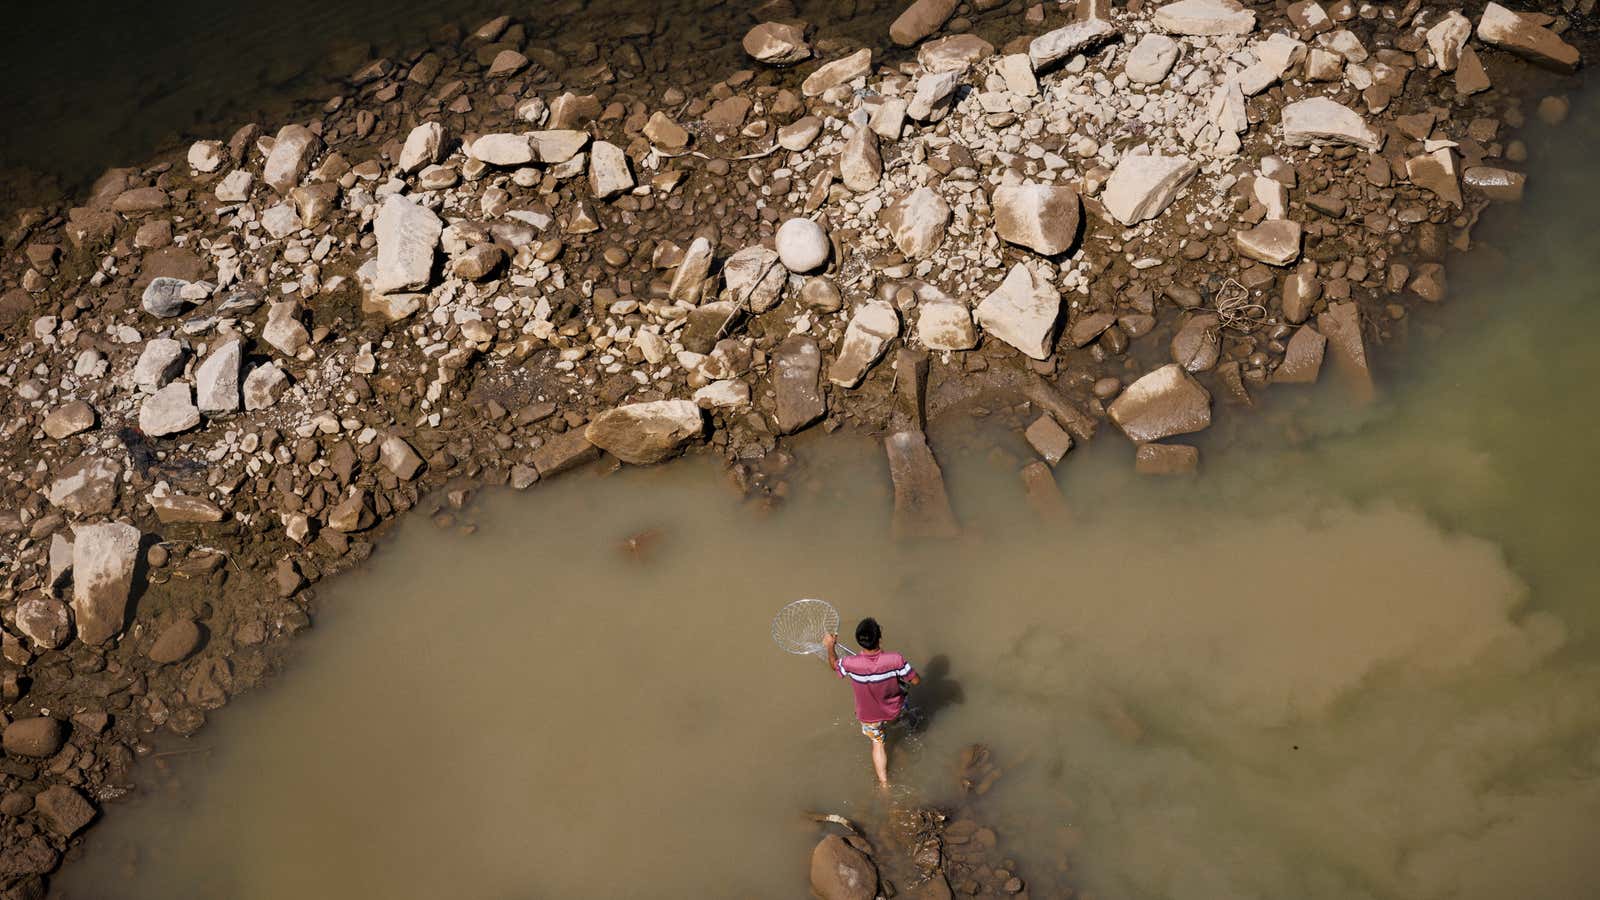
[{"x": 494, "y": 262}]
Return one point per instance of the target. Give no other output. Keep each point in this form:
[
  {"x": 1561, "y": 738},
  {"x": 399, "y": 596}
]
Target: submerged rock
[
  {"x": 841, "y": 872},
  {"x": 777, "y": 44},
  {"x": 921, "y": 503},
  {"x": 1526, "y": 35},
  {"x": 646, "y": 433},
  {"x": 1161, "y": 404}
]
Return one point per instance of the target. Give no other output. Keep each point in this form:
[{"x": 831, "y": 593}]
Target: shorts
[{"x": 875, "y": 731}]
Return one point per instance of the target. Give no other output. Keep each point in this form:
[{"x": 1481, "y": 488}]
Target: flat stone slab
[
  {"x": 1023, "y": 311},
  {"x": 103, "y": 558},
  {"x": 921, "y": 503},
  {"x": 1161, "y": 404},
  {"x": 1319, "y": 120},
  {"x": 646, "y": 433},
  {"x": 797, "y": 383},
  {"x": 874, "y": 325},
  {"x": 1142, "y": 187},
  {"x": 1205, "y": 18}
]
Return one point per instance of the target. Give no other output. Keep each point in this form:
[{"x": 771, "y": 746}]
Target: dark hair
[{"x": 868, "y": 634}]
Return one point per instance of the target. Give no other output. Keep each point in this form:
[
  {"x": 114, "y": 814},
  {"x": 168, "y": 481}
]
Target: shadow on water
[{"x": 937, "y": 692}]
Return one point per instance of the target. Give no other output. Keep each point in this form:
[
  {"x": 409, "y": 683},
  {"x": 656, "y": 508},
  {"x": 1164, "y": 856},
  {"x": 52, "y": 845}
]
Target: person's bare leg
[{"x": 880, "y": 761}]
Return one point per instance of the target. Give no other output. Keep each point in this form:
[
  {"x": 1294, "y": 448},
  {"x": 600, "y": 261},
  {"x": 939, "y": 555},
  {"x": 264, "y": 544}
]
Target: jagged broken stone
[
  {"x": 63, "y": 810},
  {"x": 263, "y": 386},
  {"x": 86, "y": 486},
  {"x": 837, "y": 72},
  {"x": 1302, "y": 358},
  {"x": 399, "y": 457},
  {"x": 1274, "y": 241},
  {"x": 1436, "y": 172},
  {"x": 283, "y": 331},
  {"x": 168, "y": 411},
  {"x": 163, "y": 297},
  {"x": 1274, "y": 56},
  {"x": 1042, "y": 217},
  {"x": 1142, "y": 187},
  {"x": 609, "y": 174},
  {"x": 917, "y": 222},
  {"x": 1048, "y": 439},
  {"x": 931, "y": 99},
  {"x": 160, "y": 361},
  {"x": 408, "y": 240},
  {"x": 1527, "y": 35},
  {"x": 754, "y": 279},
  {"x": 860, "y": 163},
  {"x": 1068, "y": 40},
  {"x": 216, "y": 380},
  {"x": 205, "y": 156},
  {"x": 68, "y": 419},
  {"x": 728, "y": 393},
  {"x": 43, "y": 621},
  {"x": 1205, "y": 18},
  {"x": 1161, "y": 404},
  {"x": 646, "y": 433},
  {"x": 503, "y": 149},
  {"x": 1501, "y": 185},
  {"x": 1023, "y": 311},
  {"x": 777, "y": 43},
  {"x": 1447, "y": 37},
  {"x": 873, "y": 326},
  {"x": 797, "y": 384},
  {"x": 1151, "y": 59},
  {"x": 1319, "y": 120},
  {"x": 291, "y": 156},
  {"x": 424, "y": 147},
  {"x": 691, "y": 273},
  {"x": 103, "y": 558},
  {"x": 559, "y": 145},
  {"x": 943, "y": 322},
  {"x": 184, "y": 509}
]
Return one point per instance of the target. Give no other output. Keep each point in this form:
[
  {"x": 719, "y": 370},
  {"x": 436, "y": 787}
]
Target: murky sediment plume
[{"x": 945, "y": 303}]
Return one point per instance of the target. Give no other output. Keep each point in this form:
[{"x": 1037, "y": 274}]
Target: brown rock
[
  {"x": 1161, "y": 404},
  {"x": 1166, "y": 459},
  {"x": 1341, "y": 325},
  {"x": 841, "y": 872},
  {"x": 176, "y": 642},
  {"x": 797, "y": 383},
  {"x": 35, "y": 737},
  {"x": 69, "y": 419},
  {"x": 563, "y": 452},
  {"x": 919, "y": 20},
  {"x": 1526, "y": 35},
  {"x": 1302, "y": 361},
  {"x": 63, "y": 810},
  {"x": 1048, "y": 439},
  {"x": 921, "y": 504},
  {"x": 180, "y": 508}
]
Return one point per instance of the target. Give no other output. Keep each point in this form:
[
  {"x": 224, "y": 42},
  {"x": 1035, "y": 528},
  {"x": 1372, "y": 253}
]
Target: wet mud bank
[{"x": 505, "y": 256}]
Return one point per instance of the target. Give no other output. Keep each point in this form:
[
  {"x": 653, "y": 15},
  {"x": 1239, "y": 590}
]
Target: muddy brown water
[{"x": 1356, "y": 659}]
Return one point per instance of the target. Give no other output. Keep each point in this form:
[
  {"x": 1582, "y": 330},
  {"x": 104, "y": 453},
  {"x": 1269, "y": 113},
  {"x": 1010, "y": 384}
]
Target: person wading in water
[{"x": 878, "y": 678}]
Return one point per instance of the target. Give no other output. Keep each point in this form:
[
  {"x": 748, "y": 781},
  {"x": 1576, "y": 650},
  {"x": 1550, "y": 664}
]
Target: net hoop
[{"x": 799, "y": 627}]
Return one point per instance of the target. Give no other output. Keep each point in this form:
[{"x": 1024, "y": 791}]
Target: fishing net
[{"x": 799, "y": 627}]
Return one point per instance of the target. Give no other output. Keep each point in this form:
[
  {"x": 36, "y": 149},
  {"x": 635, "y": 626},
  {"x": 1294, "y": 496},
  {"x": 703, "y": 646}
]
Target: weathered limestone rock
[
  {"x": 1275, "y": 242},
  {"x": 609, "y": 174},
  {"x": 837, "y": 72},
  {"x": 646, "y": 433},
  {"x": 159, "y": 362},
  {"x": 43, "y": 620},
  {"x": 1526, "y": 35},
  {"x": 1446, "y": 39},
  {"x": 37, "y": 737},
  {"x": 1048, "y": 439},
  {"x": 799, "y": 134},
  {"x": 754, "y": 279},
  {"x": 1161, "y": 404},
  {"x": 283, "y": 330},
  {"x": 68, "y": 419},
  {"x": 103, "y": 558},
  {"x": 1274, "y": 56},
  {"x": 663, "y": 132},
  {"x": 1142, "y": 187},
  {"x": 478, "y": 263},
  {"x": 932, "y": 98},
  {"x": 280, "y": 221},
  {"x": 408, "y": 238},
  {"x": 1151, "y": 59},
  {"x": 777, "y": 44},
  {"x": 691, "y": 273},
  {"x": 564, "y": 452},
  {"x": 263, "y": 386},
  {"x": 874, "y": 325},
  {"x": 205, "y": 156},
  {"x": 802, "y": 245},
  {"x": 1341, "y": 325},
  {"x": 921, "y": 503},
  {"x": 1042, "y": 217},
  {"x": 183, "y": 509},
  {"x": 424, "y": 147},
  {"x": 1302, "y": 359},
  {"x": 176, "y": 642},
  {"x": 860, "y": 163},
  {"x": 1197, "y": 345},
  {"x": 503, "y": 149},
  {"x": 163, "y": 297},
  {"x": 841, "y": 872},
  {"x": 919, "y": 20},
  {"x": 216, "y": 381},
  {"x": 1205, "y": 18},
  {"x": 917, "y": 222},
  {"x": 1471, "y": 78},
  {"x": 558, "y": 146},
  {"x": 729, "y": 393},
  {"x": 944, "y": 323},
  {"x": 86, "y": 486},
  {"x": 235, "y": 187},
  {"x": 291, "y": 157},
  {"x": 1436, "y": 172},
  {"x": 352, "y": 514},
  {"x": 1501, "y": 185},
  {"x": 1166, "y": 459},
  {"x": 1068, "y": 40},
  {"x": 63, "y": 810},
  {"x": 168, "y": 411},
  {"x": 1319, "y": 120},
  {"x": 955, "y": 53},
  {"x": 797, "y": 383},
  {"x": 507, "y": 62},
  {"x": 1023, "y": 312},
  {"x": 398, "y": 456},
  {"x": 1300, "y": 291},
  {"x": 1017, "y": 70}
]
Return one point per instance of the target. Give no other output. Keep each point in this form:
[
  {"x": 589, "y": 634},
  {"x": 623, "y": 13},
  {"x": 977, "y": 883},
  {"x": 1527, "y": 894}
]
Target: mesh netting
[{"x": 800, "y": 626}]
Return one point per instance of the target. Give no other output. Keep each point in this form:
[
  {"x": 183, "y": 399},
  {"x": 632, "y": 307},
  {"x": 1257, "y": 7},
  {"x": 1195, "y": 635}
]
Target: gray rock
[
  {"x": 1042, "y": 217},
  {"x": 424, "y": 147},
  {"x": 1161, "y": 404},
  {"x": 754, "y": 279},
  {"x": 1142, "y": 187},
  {"x": 1068, "y": 40},
  {"x": 263, "y": 386},
  {"x": 408, "y": 239},
  {"x": 74, "y": 417},
  {"x": 1319, "y": 120},
  {"x": 163, "y": 297},
  {"x": 176, "y": 642},
  {"x": 797, "y": 383},
  {"x": 609, "y": 174},
  {"x": 873, "y": 326},
  {"x": 168, "y": 411},
  {"x": 103, "y": 558},
  {"x": 36, "y": 737},
  {"x": 63, "y": 810},
  {"x": 291, "y": 157},
  {"x": 802, "y": 245},
  {"x": 646, "y": 433},
  {"x": 1206, "y": 18},
  {"x": 1152, "y": 58},
  {"x": 917, "y": 222},
  {"x": 159, "y": 363},
  {"x": 1023, "y": 311},
  {"x": 43, "y": 621},
  {"x": 216, "y": 380},
  {"x": 87, "y": 486}
]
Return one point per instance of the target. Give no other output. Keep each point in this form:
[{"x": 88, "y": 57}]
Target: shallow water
[{"x": 1356, "y": 659}]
